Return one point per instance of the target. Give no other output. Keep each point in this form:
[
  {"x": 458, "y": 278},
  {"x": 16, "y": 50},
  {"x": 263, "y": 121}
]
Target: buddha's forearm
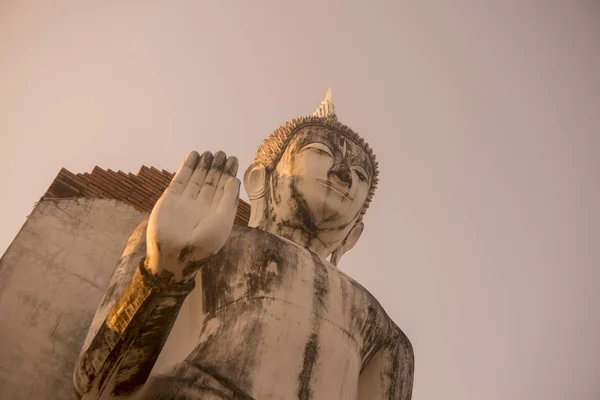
[{"x": 133, "y": 334}]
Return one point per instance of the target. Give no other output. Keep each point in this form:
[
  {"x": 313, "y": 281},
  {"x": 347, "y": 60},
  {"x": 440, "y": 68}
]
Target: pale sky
[{"x": 482, "y": 242}]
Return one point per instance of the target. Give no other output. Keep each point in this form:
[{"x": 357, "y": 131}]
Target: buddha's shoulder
[
  {"x": 400, "y": 339},
  {"x": 377, "y": 312}
]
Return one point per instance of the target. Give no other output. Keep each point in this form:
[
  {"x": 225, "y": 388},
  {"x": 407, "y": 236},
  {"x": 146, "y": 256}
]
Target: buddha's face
[{"x": 321, "y": 181}]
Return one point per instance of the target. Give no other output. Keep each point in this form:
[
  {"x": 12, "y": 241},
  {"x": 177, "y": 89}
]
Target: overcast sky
[{"x": 483, "y": 240}]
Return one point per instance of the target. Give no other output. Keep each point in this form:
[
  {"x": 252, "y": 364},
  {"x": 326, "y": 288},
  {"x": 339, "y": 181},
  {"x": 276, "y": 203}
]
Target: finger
[
  {"x": 212, "y": 178},
  {"x": 230, "y": 169},
  {"x": 183, "y": 174},
  {"x": 231, "y": 166},
  {"x": 231, "y": 195},
  {"x": 227, "y": 208},
  {"x": 194, "y": 185}
]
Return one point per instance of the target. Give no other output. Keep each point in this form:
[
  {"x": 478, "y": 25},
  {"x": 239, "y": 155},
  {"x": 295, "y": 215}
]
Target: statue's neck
[{"x": 297, "y": 234}]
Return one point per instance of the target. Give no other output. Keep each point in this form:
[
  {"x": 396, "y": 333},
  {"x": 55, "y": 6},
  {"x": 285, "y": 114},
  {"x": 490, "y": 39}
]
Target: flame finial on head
[{"x": 326, "y": 108}]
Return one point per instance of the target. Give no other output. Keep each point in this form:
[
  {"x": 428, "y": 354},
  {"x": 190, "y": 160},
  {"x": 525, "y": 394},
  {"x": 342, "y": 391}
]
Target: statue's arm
[
  {"x": 389, "y": 373},
  {"x": 131, "y": 325},
  {"x": 190, "y": 222}
]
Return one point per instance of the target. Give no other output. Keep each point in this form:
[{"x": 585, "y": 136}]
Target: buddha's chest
[
  {"x": 259, "y": 274},
  {"x": 278, "y": 322}
]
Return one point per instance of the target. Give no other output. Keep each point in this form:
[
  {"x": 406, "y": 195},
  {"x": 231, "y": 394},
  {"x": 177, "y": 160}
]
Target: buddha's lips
[{"x": 331, "y": 186}]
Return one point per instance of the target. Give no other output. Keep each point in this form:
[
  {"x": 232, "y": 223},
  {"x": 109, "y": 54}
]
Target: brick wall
[{"x": 141, "y": 190}]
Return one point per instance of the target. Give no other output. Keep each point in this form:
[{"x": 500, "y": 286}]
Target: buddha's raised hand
[{"x": 193, "y": 218}]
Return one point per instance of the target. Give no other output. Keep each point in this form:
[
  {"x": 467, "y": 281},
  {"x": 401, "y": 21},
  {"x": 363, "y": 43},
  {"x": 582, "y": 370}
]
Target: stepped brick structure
[{"x": 141, "y": 190}]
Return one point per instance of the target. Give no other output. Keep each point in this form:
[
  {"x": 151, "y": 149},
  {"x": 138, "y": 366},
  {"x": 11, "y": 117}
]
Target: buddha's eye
[
  {"x": 320, "y": 149},
  {"x": 361, "y": 174}
]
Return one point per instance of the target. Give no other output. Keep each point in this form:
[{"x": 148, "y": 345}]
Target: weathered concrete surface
[{"x": 52, "y": 278}]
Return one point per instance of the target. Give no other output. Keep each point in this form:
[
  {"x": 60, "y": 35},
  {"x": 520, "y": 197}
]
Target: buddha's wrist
[{"x": 164, "y": 281}]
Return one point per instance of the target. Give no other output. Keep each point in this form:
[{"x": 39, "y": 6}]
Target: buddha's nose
[{"x": 342, "y": 172}]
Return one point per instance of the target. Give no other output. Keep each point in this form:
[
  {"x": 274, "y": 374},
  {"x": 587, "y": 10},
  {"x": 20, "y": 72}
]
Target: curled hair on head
[{"x": 273, "y": 147}]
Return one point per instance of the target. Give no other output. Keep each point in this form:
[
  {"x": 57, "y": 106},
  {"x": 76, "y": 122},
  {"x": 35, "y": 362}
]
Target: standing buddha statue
[{"x": 198, "y": 308}]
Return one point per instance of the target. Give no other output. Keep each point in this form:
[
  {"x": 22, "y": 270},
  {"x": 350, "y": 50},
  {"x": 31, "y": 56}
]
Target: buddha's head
[{"x": 315, "y": 176}]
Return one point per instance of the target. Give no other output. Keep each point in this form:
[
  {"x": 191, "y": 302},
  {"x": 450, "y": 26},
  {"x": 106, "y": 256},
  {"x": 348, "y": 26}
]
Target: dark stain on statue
[
  {"x": 269, "y": 263},
  {"x": 215, "y": 287},
  {"x": 306, "y": 218},
  {"x": 235, "y": 373},
  {"x": 186, "y": 382},
  {"x": 218, "y": 272},
  {"x": 344, "y": 291},
  {"x": 244, "y": 367},
  {"x": 311, "y": 352},
  {"x": 371, "y": 331},
  {"x": 274, "y": 191},
  {"x": 185, "y": 252},
  {"x": 393, "y": 374},
  {"x": 320, "y": 285}
]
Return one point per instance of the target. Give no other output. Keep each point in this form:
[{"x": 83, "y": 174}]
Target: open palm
[{"x": 193, "y": 218}]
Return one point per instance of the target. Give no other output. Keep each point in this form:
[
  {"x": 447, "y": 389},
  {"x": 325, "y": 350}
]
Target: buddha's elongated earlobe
[
  {"x": 348, "y": 243},
  {"x": 255, "y": 182}
]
